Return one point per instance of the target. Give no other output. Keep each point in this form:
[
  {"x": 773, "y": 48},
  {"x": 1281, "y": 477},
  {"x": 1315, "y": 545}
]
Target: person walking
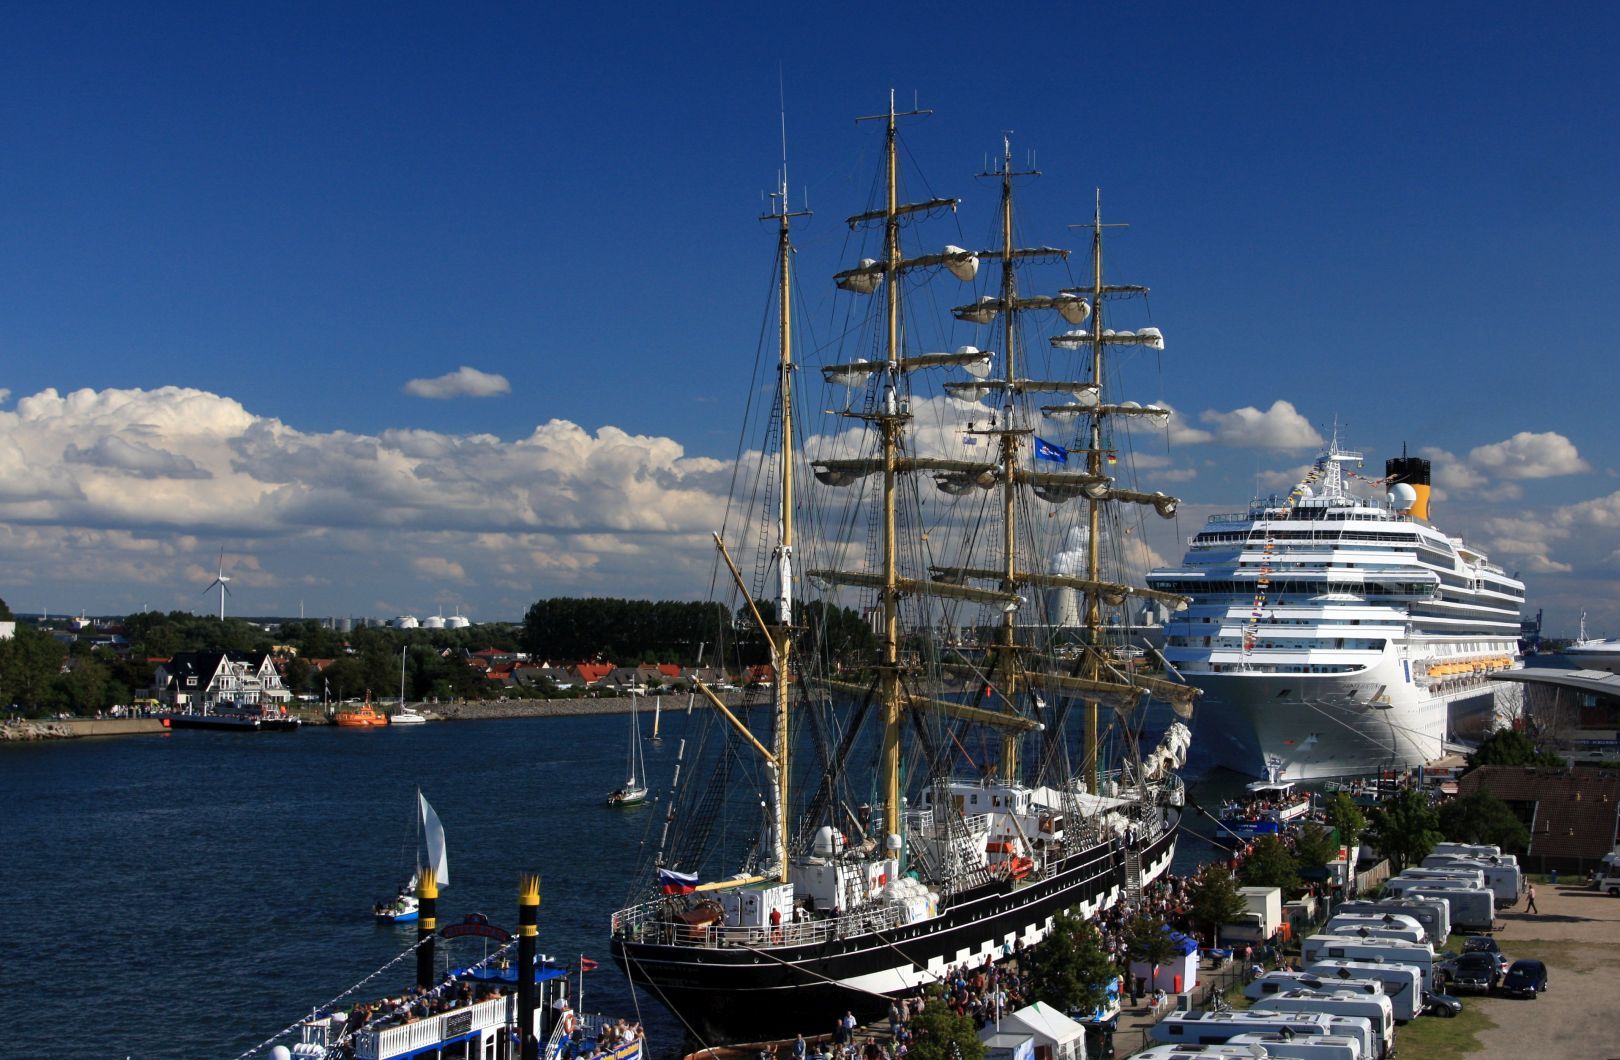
[{"x": 1530, "y": 901}]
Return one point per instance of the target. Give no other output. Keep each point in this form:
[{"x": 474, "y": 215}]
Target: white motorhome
[
  {"x": 1288, "y": 1047},
  {"x": 1467, "y": 873},
  {"x": 1402, "y": 983},
  {"x": 1607, "y": 876},
  {"x": 1471, "y": 908},
  {"x": 1504, "y": 879},
  {"x": 1432, "y": 913},
  {"x": 1363, "y": 929},
  {"x": 1208, "y": 1028},
  {"x": 1279, "y": 981},
  {"x": 1381, "y": 918},
  {"x": 1336, "y": 948},
  {"x": 1200, "y": 1052},
  {"x": 1475, "y": 850},
  {"x": 1374, "y": 1008}
]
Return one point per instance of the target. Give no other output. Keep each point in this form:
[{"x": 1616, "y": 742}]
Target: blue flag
[{"x": 1045, "y": 450}]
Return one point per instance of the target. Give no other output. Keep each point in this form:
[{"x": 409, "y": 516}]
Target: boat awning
[{"x": 508, "y": 975}]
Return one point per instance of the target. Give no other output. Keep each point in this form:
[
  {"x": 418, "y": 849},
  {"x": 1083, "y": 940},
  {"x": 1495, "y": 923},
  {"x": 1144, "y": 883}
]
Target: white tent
[
  {"x": 1057, "y": 1037},
  {"x": 1007, "y": 1045}
]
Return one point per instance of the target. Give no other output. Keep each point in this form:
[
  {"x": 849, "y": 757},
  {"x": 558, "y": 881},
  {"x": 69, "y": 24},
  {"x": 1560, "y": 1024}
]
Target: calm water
[{"x": 188, "y": 895}]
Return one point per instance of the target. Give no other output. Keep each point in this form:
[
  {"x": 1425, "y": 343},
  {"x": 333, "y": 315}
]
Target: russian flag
[{"x": 672, "y": 882}]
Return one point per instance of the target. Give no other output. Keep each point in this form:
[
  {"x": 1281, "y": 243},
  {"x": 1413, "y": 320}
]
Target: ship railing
[
  {"x": 408, "y": 1038},
  {"x": 652, "y": 923}
]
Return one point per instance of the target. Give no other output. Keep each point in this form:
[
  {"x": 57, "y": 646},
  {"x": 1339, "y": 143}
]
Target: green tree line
[{"x": 626, "y": 632}]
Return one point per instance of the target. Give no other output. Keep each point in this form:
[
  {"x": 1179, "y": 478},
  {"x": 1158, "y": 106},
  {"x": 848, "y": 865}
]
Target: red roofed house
[{"x": 591, "y": 673}]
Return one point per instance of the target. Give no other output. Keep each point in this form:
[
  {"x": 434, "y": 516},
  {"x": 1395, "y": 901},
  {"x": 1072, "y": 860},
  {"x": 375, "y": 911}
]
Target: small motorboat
[
  {"x": 1268, "y": 807},
  {"x": 363, "y": 716},
  {"x": 400, "y": 909}
]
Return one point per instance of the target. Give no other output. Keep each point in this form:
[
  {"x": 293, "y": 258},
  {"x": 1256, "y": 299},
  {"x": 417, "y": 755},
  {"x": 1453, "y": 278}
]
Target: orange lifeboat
[{"x": 361, "y": 717}]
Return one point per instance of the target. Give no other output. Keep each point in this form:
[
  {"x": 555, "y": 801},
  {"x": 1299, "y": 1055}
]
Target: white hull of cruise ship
[
  {"x": 1335, "y": 635},
  {"x": 1331, "y": 725},
  {"x": 1601, "y": 655}
]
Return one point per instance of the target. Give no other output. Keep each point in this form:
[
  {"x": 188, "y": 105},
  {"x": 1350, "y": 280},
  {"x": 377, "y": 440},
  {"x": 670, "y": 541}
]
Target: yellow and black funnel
[{"x": 1411, "y": 472}]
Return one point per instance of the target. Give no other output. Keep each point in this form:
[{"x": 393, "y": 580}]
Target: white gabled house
[{"x": 199, "y": 681}]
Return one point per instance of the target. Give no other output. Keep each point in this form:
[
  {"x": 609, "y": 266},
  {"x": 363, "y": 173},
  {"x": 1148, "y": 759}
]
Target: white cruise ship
[
  {"x": 1336, "y": 635},
  {"x": 1590, "y": 653}
]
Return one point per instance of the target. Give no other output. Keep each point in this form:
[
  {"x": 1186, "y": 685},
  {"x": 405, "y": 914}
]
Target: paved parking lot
[{"x": 1577, "y": 934}]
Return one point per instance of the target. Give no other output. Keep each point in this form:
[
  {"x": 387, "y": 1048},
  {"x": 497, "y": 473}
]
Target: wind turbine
[{"x": 220, "y": 581}]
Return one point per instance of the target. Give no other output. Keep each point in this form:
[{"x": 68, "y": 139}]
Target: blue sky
[{"x": 1403, "y": 217}]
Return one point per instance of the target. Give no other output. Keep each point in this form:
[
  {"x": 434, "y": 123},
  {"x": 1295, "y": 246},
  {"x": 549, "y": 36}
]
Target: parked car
[
  {"x": 1525, "y": 979},
  {"x": 1475, "y": 972},
  {"x": 1441, "y": 1005},
  {"x": 1486, "y": 944}
]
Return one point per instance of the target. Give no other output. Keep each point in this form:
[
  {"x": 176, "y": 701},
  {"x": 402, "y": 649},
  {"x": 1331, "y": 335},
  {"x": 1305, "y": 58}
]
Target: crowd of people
[
  {"x": 981, "y": 992},
  {"x": 582, "y": 1045},
  {"x": 418, "y": 1003}
]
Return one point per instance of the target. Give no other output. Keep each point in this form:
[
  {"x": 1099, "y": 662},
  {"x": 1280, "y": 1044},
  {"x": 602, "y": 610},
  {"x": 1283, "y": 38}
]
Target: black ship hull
[
  {"x": 230, "y": 722},
  {"x": 741, "y": 993}
]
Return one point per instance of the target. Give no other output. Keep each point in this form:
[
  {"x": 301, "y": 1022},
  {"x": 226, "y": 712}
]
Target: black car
[
  {"x": 1525, "y": 979},
  {"x": 1486, "y": 944},
  {"x": 1475, "y": 972},
  {"x": 1441, "y": 1005}
]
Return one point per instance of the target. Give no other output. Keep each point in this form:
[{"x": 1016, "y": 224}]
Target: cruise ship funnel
[{"x": 1414, "y": 472}]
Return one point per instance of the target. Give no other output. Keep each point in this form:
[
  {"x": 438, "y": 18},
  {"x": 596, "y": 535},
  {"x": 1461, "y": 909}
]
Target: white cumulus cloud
[
  {"x": 1180, "y": 432},
  {"x": 1450, "y": 472},
  {"x": 1529, "y": 455},
  {"x": 116, "y": 487},
  {"x": 134, "y": 456},
  {"x": 1279, "y": 427},
  {"x": 463, "y": 382}
]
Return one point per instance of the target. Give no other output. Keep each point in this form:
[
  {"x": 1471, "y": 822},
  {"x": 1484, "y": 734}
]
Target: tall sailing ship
[
  {"x": 1336, "y": 634},
  {"x": 925, "y": 785}
]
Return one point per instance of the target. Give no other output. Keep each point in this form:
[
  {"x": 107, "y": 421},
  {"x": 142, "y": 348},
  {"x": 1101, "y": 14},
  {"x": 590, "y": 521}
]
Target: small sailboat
[
  {"x": 658, "y": 713},
  {"x": 635, "y": 784},
  {"x": 403, "y": 907},
  {"x": 405, "y": 715}
]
